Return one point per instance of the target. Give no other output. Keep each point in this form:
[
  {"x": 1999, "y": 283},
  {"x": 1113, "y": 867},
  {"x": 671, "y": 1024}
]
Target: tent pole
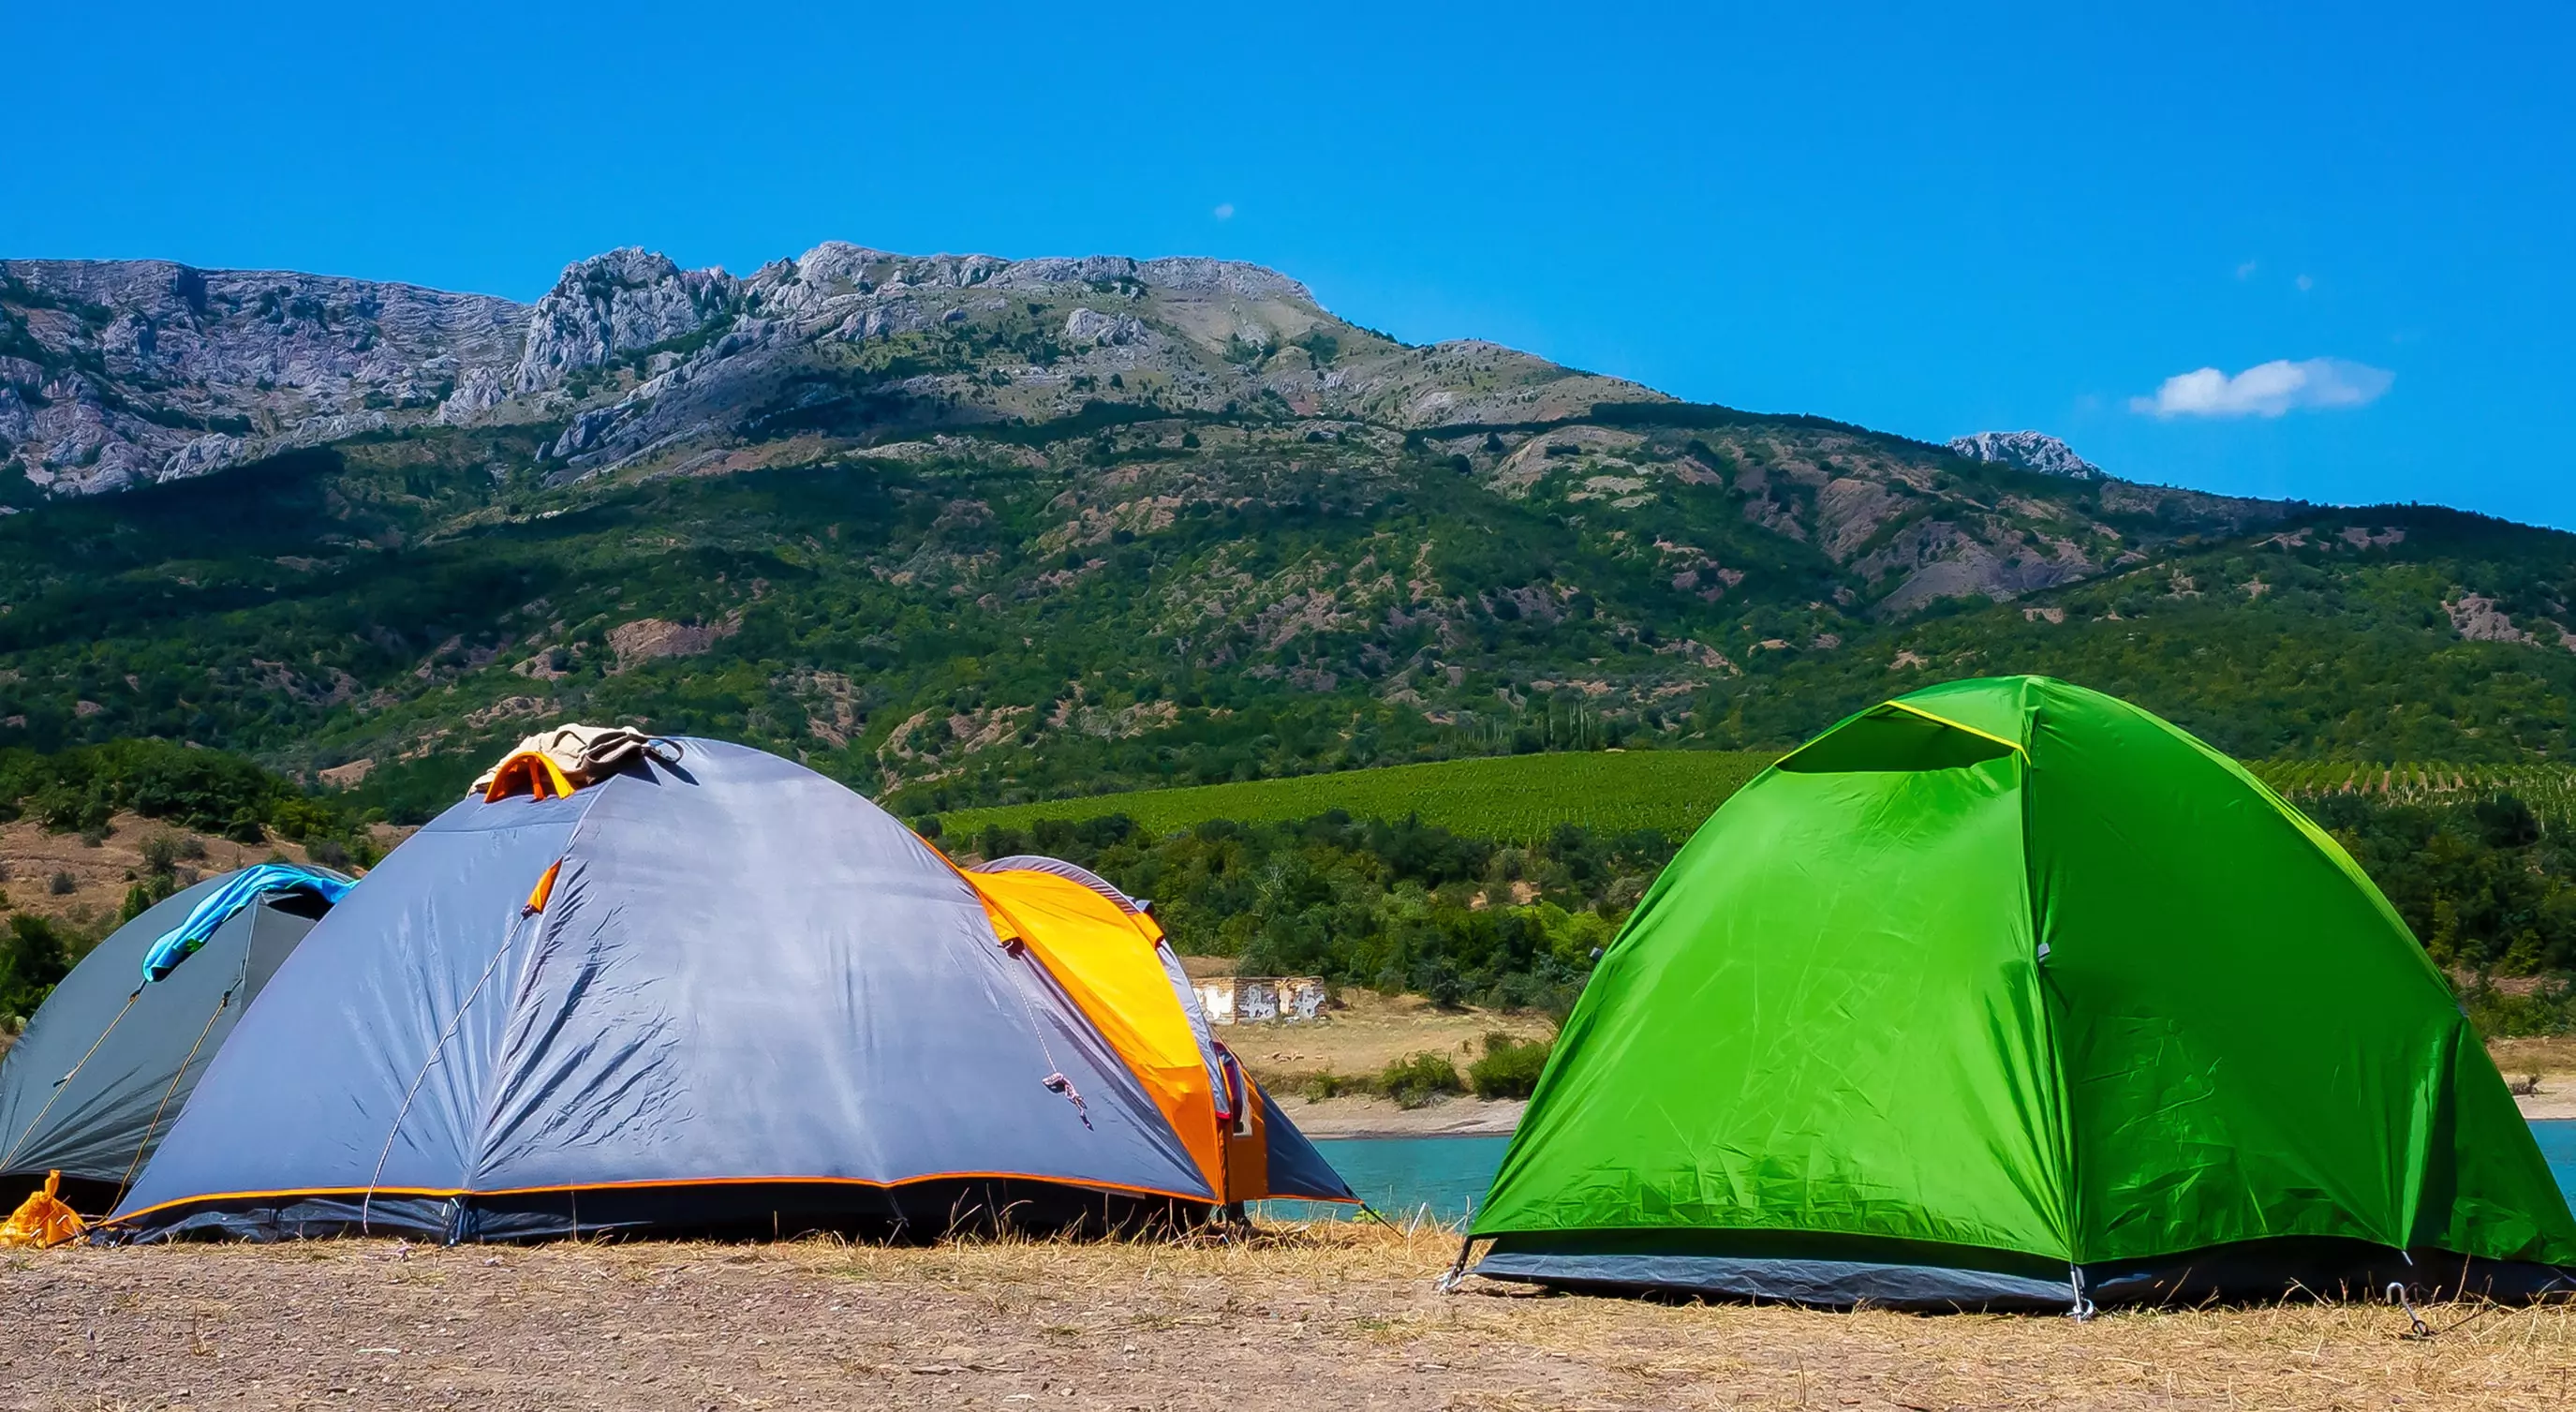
[{"x": 1457, "y": 1275}]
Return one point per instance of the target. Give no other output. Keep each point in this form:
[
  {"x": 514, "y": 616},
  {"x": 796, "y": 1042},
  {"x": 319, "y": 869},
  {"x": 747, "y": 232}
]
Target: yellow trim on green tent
[{"x": 2012, "y": 745}]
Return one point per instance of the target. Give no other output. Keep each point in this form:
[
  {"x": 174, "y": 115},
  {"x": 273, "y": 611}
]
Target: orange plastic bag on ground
[{"x": 42, "y": 1219}]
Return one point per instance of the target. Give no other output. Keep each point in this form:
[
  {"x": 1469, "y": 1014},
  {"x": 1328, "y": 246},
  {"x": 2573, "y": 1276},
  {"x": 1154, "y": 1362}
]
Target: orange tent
[{"x": 1110, "y": 956}]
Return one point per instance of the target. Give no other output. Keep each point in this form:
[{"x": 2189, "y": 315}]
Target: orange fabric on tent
[
  {"x": 543, "y": 892},
  {"x": 1105, "y": 958},
  {"x": 42, "y": 1220},
  {"x": 527, "y": 772},
  {"x": 1247, "y": 1155}
]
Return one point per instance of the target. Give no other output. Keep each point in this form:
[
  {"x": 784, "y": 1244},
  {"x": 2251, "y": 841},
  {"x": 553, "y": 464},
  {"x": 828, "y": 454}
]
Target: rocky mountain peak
[
  {"x": 122, "y": 372},
  {"x": 616, "y": 303},
  {"x": 119, "y": 373},
  {"x": 2029, "y": 451}
]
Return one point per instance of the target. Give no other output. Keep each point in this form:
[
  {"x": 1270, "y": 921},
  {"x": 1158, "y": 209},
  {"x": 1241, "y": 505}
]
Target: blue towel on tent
[{"x": 239, "y": 891}]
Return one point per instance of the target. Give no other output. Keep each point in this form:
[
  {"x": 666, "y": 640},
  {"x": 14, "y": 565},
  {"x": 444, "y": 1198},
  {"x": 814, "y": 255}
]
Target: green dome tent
[{"x": 2008, "y": 994}]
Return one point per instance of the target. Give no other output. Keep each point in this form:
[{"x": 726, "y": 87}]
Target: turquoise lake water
[{"x": 1402, "y": 1176}]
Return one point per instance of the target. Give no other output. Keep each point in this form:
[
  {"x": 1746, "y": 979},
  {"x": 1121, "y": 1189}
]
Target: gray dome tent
[
  {"x": 110, "y": 1058},
  {"x": 708, "y": 990}
]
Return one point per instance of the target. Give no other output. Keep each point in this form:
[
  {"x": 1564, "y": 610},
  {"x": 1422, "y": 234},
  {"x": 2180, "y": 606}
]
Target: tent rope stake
[
  {"x": 2397, "y": 1296},
  {"x": 1456, "y": 1275}
]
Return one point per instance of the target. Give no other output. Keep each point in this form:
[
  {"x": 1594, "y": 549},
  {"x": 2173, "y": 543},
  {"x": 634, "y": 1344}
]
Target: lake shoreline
[
  {"x": 1354, "y": 1116},
  {"x": 2553, "y": 1103}
]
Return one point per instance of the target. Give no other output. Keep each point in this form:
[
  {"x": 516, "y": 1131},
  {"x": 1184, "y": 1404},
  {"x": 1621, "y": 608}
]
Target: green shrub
[
  {"x": 140, "y": 897},
  {"x": 1509, "y": 1068},
  {"x": 2548, "y": 1009},
  {"x": 33, "y": 955},
  {"x": 1414, "y": 1081},
  {"x": 78, "y": 789},
  {"x": 1327, "y": 1084}
]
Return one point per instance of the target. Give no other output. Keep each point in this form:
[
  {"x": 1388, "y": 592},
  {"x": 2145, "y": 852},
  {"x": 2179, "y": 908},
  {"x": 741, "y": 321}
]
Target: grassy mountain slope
[
  {"x": 976, "y": 534},
  {"x": 2382, "y": 633}
]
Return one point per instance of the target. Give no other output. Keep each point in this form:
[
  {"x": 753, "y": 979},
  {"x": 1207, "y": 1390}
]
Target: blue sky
[{"x": 1932, "y": 219}]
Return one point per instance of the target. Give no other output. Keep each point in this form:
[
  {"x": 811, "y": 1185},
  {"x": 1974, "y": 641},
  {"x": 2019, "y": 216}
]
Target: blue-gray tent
[
  {"x": 708, "y": 991},
  {"x": 112, "y": 1056}
]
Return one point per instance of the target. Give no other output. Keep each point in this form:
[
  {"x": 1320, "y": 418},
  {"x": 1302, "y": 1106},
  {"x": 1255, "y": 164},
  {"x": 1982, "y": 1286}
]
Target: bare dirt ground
[
  {"x": 1361, "y": 1035},
  {"x": 1307, "y": 1319},
  {"x": 30, "y": 858},
  {"x": 1362, "y": 1031},
  {"x": 1356, "y": 1115},
  {"x": 1368, "y": 1031}
]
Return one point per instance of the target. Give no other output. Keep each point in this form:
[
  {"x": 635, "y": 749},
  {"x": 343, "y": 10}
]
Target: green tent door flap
[{"x": 2009, "y": 994}]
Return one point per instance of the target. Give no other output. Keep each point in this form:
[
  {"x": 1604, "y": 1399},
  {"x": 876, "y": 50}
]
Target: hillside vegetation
[
  {"x": 977, "y": 535},
  {"x": 969, "y": 533},
  {"x": 1488, "y": 881}
]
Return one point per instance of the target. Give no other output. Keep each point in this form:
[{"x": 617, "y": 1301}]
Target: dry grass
[
  {"x": 1357, "y": 1039},
  {"x": 101, "y": 872},
  {"x": 2554, "y": 1054},
  {"x": 1313, "y": 1318},
  {"x": 1368, "y": 1031}
]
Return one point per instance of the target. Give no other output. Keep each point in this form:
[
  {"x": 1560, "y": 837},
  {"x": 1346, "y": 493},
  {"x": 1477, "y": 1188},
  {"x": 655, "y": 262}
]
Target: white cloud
[
  {"x": 2246, "y": 270},
  {"x": 2306, "y": 283},
  {"x": 1224, "y": 212},
  {"x": 2267, "y": 389}
]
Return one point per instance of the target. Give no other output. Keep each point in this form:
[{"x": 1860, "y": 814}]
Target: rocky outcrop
[
  {"x": 479, "y": 390},
  {"x": 2475, "y": 617},
  {"x": 1941, "y": 558},
  {"x": 613, "y": 304},
  {"x": 1090, "y": 326},
  {"x": 124, "y": 372},
  {"x": 2028, "y": 451},
  {"x": 648, "y": 639},
  {"x": 211, "y": 452}
]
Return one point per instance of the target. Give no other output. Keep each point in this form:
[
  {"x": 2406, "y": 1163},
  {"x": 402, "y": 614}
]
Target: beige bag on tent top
[{"x": 565, "y": 758}]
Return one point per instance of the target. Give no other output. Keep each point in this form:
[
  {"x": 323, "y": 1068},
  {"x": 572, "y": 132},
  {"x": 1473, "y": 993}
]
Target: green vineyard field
[
  {"x": 1504, "y": 797},
  {"x": 2550, "y": 789},
  {"x": 1672, "y": 792}
]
